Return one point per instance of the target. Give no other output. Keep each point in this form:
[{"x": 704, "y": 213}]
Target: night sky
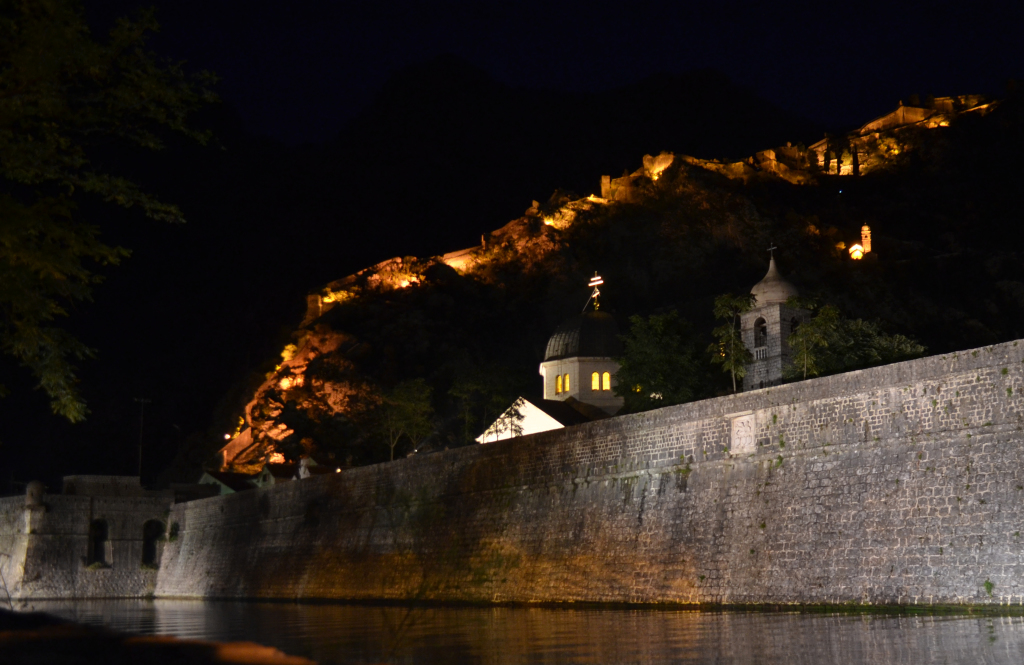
[
  {"x": 273, "y": 211},
  {"x": 297, "y": 71}
]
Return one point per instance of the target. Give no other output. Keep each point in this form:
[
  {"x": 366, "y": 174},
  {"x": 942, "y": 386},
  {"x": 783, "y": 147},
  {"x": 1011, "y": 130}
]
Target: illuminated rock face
[
  {"x": 331, "y": 391},
  {"x": 336, "y": 387}
]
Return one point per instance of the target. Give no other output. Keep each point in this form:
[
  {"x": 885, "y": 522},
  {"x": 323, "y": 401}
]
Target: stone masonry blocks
[{"x": 898, "y": 484}]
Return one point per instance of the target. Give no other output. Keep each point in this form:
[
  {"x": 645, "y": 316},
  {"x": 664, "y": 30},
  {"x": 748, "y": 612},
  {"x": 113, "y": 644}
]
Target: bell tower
[{"x": 767, "y": 326}]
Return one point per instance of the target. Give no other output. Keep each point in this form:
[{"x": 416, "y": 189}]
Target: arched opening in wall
[
  {"x": 565, "y": 383},
  {"x": 99, "y": 543},
  {"x": 760, "y": 333},
  {"x": 606, "y": 381},
  {"x": 152, "y": 533},
  {"x": 794, "y": 323},
  {"x": 595, "y": 381},
  {"x": 558, "y": 384}
]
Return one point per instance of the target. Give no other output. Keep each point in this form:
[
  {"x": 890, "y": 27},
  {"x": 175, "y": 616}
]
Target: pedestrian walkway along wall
[{"x": 897, "y": 484}]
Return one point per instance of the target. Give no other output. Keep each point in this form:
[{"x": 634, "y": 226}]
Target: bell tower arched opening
[{"x": 760, "y": 339}]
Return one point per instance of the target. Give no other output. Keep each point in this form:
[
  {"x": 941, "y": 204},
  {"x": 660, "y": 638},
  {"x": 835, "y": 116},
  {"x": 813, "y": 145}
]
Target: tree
[
  {"x": 829, "y": 343},
  {"x": 481, "y": 393},
  {"x": 63, "y": 96},
  {"x": 404, "y": 413},
  {"x": 659, "y": 363},
  {"x": 729, "y": 351},
  {"x": 510, "y": 421},
  {"x": 856, "y": 343},
  {"x": 808, "y": 341}
]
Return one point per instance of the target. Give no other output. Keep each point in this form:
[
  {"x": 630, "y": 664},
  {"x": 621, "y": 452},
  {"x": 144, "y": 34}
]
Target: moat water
[{"x": 346, "y": 634}]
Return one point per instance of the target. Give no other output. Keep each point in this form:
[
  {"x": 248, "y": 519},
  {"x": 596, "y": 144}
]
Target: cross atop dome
[{"x": 595, "y": 282}]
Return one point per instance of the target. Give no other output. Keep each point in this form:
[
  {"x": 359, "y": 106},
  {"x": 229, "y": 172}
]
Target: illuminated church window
[
  {"x": 595, "y": 381},
  {"x": 558, "y": 383},
  {"x": 566, "y": 383},
  {"x": 606, "y": 381}
]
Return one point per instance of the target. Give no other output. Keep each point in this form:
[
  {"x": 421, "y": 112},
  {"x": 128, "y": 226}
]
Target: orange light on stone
[
  {"x": 276, "y": 458},
  {"x": 856, "y": 252},
  {"x": 289, "y": 382}
]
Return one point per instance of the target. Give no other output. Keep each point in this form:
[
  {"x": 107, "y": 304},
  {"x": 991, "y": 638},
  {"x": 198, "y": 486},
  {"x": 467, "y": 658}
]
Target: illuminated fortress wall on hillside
[{"x": 898, "y": 484}]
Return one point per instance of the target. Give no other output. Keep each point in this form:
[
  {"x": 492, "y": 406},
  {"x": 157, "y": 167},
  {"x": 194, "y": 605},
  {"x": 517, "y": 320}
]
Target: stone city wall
[
  {"x": 11, "y": 525},
  {"x": 898, "y": 484},
  {"x": 48, "y": 546}
]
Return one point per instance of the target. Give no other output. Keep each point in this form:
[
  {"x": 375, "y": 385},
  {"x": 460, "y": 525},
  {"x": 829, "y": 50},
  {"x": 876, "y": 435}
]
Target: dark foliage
[{"x": 661, "y": 364}]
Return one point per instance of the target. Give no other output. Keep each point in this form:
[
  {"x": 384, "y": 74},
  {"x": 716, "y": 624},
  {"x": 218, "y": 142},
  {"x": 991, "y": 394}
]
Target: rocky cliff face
[
  {"x": 318, "y": 381},
  {"x": 672, "y": 234}
]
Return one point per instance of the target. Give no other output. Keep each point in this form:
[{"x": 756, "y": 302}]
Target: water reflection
[{"x": 359, "y": 634}]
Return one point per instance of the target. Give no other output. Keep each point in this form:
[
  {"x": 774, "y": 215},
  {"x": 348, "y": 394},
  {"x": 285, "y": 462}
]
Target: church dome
[
  {"x": 773, "y": 289},
  {"x": 591, "y": 335}
]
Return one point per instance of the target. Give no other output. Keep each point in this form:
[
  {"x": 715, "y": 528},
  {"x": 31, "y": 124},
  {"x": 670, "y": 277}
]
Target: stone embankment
[{"x": 898, "y": 484}]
